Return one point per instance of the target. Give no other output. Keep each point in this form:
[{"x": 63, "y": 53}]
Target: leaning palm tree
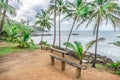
[
  {"x": 6, "y": 8},
  {"x": 101, "y": 11},
  {"x": 60, "y": 8},
  {"x": 76, "y": 11},
  {"x": 44, "y": 21}
]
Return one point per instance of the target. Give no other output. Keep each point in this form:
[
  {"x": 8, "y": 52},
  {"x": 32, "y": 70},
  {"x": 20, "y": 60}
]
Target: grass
[
  {"x": 8, "y": 48},
  {"x": 99, "y": 66}
]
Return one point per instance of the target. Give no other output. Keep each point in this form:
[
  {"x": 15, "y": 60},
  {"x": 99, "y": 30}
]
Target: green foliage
[
  {"x": 115, "y": 66},
  {"x": 118, "y": 73},
  {"x": 18, "y": 32},
  {"x": 25, "y": 41},
  {"x": 11, "y": 48},
  {"x": 77, "y": 47},
  {"x": 44, "y": 44},
  {"x": 117, "y": 43},
  {"x": 43, "y": 20},
  {"x": 91, "y": 43}
]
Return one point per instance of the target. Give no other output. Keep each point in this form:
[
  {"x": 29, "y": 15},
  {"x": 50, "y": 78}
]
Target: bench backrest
[
  {"x": 61, "y": 51},
  {"x": 69, "y": 62}
]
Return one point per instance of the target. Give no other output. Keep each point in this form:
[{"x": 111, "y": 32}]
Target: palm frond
[{"x": 91, "y": 43}]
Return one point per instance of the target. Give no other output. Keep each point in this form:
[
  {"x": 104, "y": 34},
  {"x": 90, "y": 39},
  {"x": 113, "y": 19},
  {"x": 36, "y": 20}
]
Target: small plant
[
  {"x": 115, "y": 66},
  {"x": 77, "y": 48},
  {"x": 44, "y": 44},
  {"x": 25, "y": 41},
  {"x": 118, "y": 73}
]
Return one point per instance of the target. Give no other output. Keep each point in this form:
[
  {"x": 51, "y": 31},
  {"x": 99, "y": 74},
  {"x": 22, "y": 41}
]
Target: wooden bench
[
  {"x": 63, "y": 61},
  {"x": 57, "y": 50}
]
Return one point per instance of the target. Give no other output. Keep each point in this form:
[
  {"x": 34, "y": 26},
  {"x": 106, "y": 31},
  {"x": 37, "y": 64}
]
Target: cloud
[{"x": 29, "y": 8}]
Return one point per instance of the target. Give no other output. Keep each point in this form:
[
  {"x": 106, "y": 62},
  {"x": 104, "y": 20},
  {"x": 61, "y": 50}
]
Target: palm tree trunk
[
  {"x": 80, "y": 64},
  {"x": 71, "y": 31},
  {"x": 54, "y": 25},
  {"x": 3, "y": 19},
  {"x": 59, "y": 31},
  {"x": 96, "y": 45},
  {"x": 42, "y": 36}
]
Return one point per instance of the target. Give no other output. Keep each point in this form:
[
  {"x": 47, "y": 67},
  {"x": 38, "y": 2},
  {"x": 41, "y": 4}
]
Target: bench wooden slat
[
  {"x": 58, "y": 50},
  {"x": 69, "y": 62}
]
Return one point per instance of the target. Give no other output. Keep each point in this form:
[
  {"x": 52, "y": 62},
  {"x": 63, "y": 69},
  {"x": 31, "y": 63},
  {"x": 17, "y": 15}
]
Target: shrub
[
  {"x": 118, "y": 73},
  {"x": 115, "y": 66}
]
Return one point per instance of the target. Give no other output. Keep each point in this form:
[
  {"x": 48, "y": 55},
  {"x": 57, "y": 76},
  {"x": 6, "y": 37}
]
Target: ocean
[{"x": 104, "y": 48}]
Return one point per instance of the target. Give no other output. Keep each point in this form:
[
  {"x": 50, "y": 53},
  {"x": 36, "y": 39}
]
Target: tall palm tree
[
  {"x": 53, "y": 3},
  {"x": 60, "y": 8},
  {"x": 101, "y": 11},
  {"x": 6, "y": 8},
  {"x": 44, "y": 21},
  {"x": 76, "y": 11}
]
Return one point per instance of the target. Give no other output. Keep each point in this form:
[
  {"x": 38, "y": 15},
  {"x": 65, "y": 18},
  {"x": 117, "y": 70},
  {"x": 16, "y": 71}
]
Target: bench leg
[
  {"x": 78, "y": 72},
  {"x": 52, "y": 60},
  {"x": 62, "y": 55},
  {"x": 51, "y": 50},
  {"x": 62, "y": 65},
  {"x": 46, "y": 48}
]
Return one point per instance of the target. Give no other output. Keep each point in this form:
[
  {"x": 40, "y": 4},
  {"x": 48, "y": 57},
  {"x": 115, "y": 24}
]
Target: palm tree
[
  {"x": 78, "y": 48},
  {"x": 77, "y": 11},
  {"x": 101, "y": 11},
  {"x": 53, "y": 2},
  {"x": 60, "y": 8},
  {"x": 6, "y": 8},
  {"x": 44, "y": 21}
]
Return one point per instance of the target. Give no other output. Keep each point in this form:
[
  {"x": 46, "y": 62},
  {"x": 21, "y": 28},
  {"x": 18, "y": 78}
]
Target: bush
[
  {"x": 118, "y": 73},
  {"x": 25, "y": 41},
  {"x": 115, "y": 66},
  {"x": 20, "y": 33}
]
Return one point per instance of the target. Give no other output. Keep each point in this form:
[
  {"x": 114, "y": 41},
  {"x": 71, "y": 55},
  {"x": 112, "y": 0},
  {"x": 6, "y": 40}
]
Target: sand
[{"x": 36, "y": 65}]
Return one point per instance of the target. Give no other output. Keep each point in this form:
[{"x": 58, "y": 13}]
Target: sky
[{"x": 27, "y": 10}]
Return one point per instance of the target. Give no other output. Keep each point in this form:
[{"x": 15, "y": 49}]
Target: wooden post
[
  {"x": 41, "y": 47},
  {"x": 62, "y": 55},
  {"x": 78, "y": 72},
  {"x": 52, "y": 60},
  {"x": 51, "y": 50},
  {"x": 46, "y": 48},
  {"x": 62, "y": 65}
]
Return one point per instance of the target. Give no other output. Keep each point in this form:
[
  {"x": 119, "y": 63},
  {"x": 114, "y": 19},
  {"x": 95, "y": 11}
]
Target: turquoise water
[{"x": 104, "y": 48}]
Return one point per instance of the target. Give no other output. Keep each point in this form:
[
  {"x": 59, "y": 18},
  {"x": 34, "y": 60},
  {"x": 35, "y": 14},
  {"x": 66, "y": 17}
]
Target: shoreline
[{"x": 38, "y": 34}]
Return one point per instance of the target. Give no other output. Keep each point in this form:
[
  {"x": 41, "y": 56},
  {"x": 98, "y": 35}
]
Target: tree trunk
[
  {"x": 80, "y": 68},
  {"x": 42, "y": 36},
  {"x": 96, "y": 45},
  {"x": 54, "y": 26},
  {"x": 3, "y": 19},
  {"x": 71, "y": 31},
  {"x": 59, "y": 31}
]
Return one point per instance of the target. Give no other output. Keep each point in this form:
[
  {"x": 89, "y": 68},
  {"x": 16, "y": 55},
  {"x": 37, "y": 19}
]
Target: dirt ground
[{"x": 36, "y": 65}]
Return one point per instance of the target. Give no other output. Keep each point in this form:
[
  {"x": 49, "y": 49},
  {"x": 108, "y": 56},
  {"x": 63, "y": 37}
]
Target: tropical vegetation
[
  {"x": 94, "y": 13},
  {"x": 44, "y": 21},
  {"x": 60, "y": 8},
  {"x": 100, "y": 11}
]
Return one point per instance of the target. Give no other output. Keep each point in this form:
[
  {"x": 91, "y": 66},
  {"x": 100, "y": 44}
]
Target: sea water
[{"x": 104, "y": 47}]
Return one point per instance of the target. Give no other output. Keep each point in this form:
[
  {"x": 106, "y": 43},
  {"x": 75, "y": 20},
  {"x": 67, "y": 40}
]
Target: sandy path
[{"x": 35, "y": 65}]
